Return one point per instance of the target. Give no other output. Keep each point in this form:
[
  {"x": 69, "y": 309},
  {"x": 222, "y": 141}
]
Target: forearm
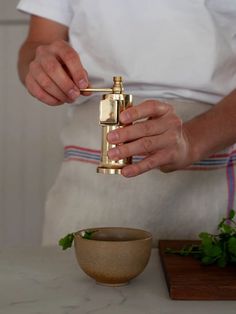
[{"x": 213, "y": 130}]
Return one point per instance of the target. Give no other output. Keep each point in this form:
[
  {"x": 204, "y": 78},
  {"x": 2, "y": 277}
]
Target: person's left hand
[{"x": 160, "y": 138}]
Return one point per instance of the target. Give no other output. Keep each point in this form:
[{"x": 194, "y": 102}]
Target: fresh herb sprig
[
  {"x": 217, "y": 248},
  {"x": 67, "y": 241}
]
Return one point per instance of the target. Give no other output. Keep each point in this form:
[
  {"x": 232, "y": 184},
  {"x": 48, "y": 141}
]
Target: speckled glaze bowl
[{"x": 113, "y": 256}]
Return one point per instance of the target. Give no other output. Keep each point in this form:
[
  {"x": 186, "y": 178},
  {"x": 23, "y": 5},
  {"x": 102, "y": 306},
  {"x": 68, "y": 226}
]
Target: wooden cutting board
[{"x": 187, "y": 279}]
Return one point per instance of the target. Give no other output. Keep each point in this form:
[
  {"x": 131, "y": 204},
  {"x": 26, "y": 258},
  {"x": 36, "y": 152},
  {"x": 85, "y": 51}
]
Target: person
[{"x": 178, "y": 59}]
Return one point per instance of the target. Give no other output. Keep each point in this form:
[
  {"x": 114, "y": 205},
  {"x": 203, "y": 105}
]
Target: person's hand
[
  {"x": 160, "y": 138},
  {"x": 56, "y": 74}
]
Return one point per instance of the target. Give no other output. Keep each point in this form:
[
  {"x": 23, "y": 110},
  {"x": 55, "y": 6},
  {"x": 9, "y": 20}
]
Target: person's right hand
[{"x": 56, "y": 74}]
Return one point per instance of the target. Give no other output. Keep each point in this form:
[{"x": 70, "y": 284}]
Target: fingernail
[
  {"x": 113, "y": 153},
  {"x": 73, "y": 93},
  {"x": 125, "y": 117},
  {"x": 83, "y": 83},
  {"x": 113, "y": 136}
]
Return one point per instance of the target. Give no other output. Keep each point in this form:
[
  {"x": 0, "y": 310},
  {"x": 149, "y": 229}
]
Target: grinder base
[{"x": 104, "y": 170}]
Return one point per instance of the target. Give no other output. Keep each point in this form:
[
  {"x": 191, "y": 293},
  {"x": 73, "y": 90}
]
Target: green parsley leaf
[
  {"x": 232, "y": 214},
  {"x": 67, "y": 241},
  {"x": 88, "y": 234},
  {"x": 232, "y": 246}
]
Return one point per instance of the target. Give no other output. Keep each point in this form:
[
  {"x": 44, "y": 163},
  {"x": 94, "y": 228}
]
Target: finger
[
  {"x": 47, "y": 84},
  {"x": 52, "y": 67},
  {"x": 89, "y": 86},
  {"x": 36, "y": 91},
  {"x": 72, "y": 61},
  {"x": 147, "y": 109},
  {"x": 151, "y": 162},
  {"x": 140, "y": 129},
  {"x": 144, "y": 145}
]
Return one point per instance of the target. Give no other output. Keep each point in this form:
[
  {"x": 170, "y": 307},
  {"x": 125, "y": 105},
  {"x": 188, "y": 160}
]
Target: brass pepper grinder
[{"x": 111, "y": 105}]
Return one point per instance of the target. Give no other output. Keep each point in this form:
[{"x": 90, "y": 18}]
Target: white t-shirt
[{"x": 162, "y": 48}]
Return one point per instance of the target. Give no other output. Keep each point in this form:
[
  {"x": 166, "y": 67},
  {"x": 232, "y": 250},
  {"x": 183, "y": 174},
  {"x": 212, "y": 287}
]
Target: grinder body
[{"x": 110, "y": 108}]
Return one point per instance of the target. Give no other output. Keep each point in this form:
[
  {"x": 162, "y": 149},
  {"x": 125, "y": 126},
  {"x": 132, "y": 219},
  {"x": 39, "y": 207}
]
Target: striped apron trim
[{"x": 213, "y": 162}]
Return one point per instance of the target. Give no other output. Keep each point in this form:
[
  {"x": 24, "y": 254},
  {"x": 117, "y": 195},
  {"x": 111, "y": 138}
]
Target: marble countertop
[{"x": 49, "y": 281}]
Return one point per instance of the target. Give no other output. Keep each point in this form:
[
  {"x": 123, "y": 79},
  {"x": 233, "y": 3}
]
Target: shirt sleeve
[{"x": 56, "y": 10}]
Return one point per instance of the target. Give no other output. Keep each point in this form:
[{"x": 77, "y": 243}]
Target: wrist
[{"x": 193, "y": 148}]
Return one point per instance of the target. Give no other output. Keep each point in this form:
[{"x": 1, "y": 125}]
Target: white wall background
[{"x": 30, "y": 148}]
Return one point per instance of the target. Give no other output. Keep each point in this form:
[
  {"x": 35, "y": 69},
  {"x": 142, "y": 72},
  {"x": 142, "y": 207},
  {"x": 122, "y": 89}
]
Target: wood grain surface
[{"x": 188, "y": 279}]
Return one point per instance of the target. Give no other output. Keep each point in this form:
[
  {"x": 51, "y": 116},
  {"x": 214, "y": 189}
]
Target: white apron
[{"x": 174, "y": 205}]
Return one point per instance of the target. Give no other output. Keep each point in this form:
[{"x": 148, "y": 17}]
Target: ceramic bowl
[{"x": 113, "y": 256}]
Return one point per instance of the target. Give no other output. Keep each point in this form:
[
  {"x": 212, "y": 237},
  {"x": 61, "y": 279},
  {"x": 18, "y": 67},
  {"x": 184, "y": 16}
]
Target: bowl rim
[{"x": 148, "y": 235}]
